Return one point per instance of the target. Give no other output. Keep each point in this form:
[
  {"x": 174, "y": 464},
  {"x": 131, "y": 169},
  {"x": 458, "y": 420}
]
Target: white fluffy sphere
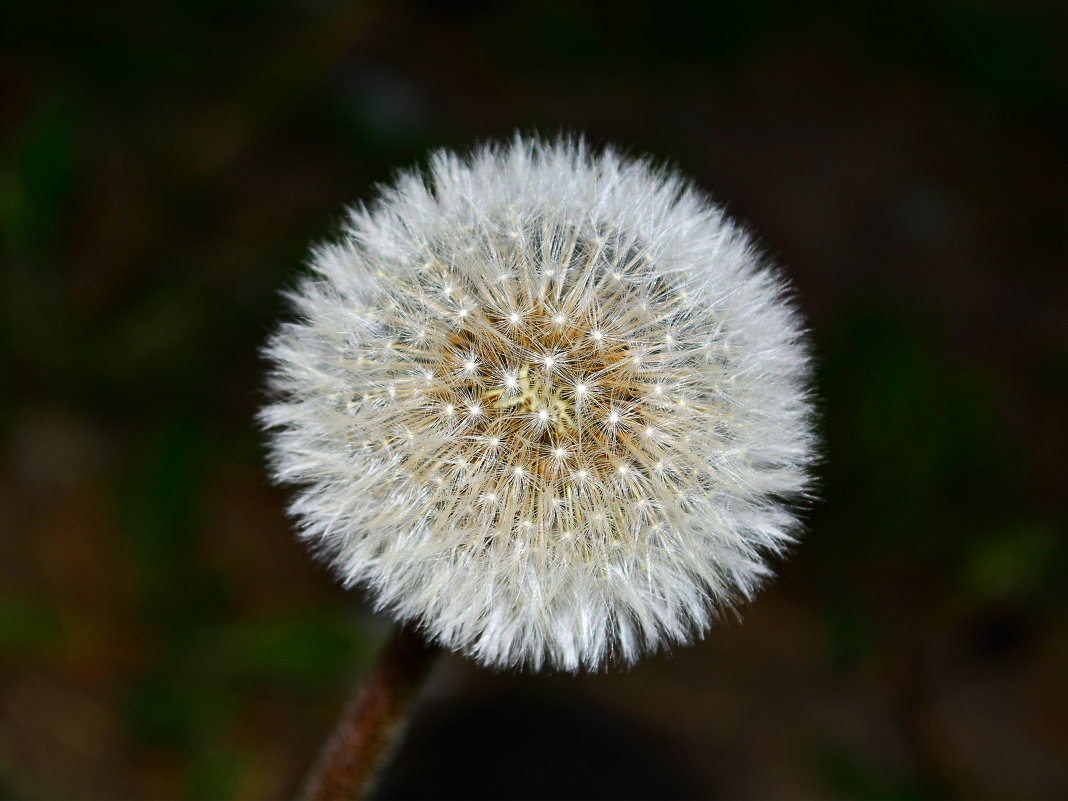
[{"x": 548, "y": 405}]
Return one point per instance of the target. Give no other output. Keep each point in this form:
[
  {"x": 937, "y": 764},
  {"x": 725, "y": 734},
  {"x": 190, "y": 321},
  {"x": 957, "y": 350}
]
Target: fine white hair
[{"x": 549, "y": 405}]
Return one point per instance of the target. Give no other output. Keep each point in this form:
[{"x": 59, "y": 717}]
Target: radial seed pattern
[{"x": 552, "y": 422}]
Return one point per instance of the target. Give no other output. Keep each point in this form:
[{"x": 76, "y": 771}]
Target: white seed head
[{"x": 549, "y": 405}]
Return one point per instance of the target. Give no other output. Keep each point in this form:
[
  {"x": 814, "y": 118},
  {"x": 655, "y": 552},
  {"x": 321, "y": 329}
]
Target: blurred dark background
[{"x": 163, "y": 167}]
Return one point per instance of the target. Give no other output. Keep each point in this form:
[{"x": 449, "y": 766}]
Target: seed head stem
[{"x": 365, "y": 736}]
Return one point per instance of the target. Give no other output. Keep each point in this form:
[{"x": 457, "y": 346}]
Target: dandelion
[{"x": 548, "y": 405}]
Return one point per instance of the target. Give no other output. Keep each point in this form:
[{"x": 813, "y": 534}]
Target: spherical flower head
[{"x": 548, "y": 405}]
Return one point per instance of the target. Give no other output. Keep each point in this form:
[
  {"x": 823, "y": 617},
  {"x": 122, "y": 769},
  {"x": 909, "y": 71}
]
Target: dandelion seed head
[{"x": 511, "y": 412}]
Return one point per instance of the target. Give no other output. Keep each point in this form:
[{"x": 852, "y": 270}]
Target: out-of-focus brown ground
[{"x": 162, "y": 170}]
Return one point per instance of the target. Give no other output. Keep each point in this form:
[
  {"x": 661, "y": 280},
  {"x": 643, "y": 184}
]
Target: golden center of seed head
[
  {"x": 538, "y": 396},
  {"x": 560, "y": 395}
]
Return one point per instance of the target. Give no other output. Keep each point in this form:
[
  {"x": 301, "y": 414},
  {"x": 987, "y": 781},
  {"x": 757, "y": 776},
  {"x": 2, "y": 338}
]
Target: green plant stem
[{"x": 364, "y": 737}]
